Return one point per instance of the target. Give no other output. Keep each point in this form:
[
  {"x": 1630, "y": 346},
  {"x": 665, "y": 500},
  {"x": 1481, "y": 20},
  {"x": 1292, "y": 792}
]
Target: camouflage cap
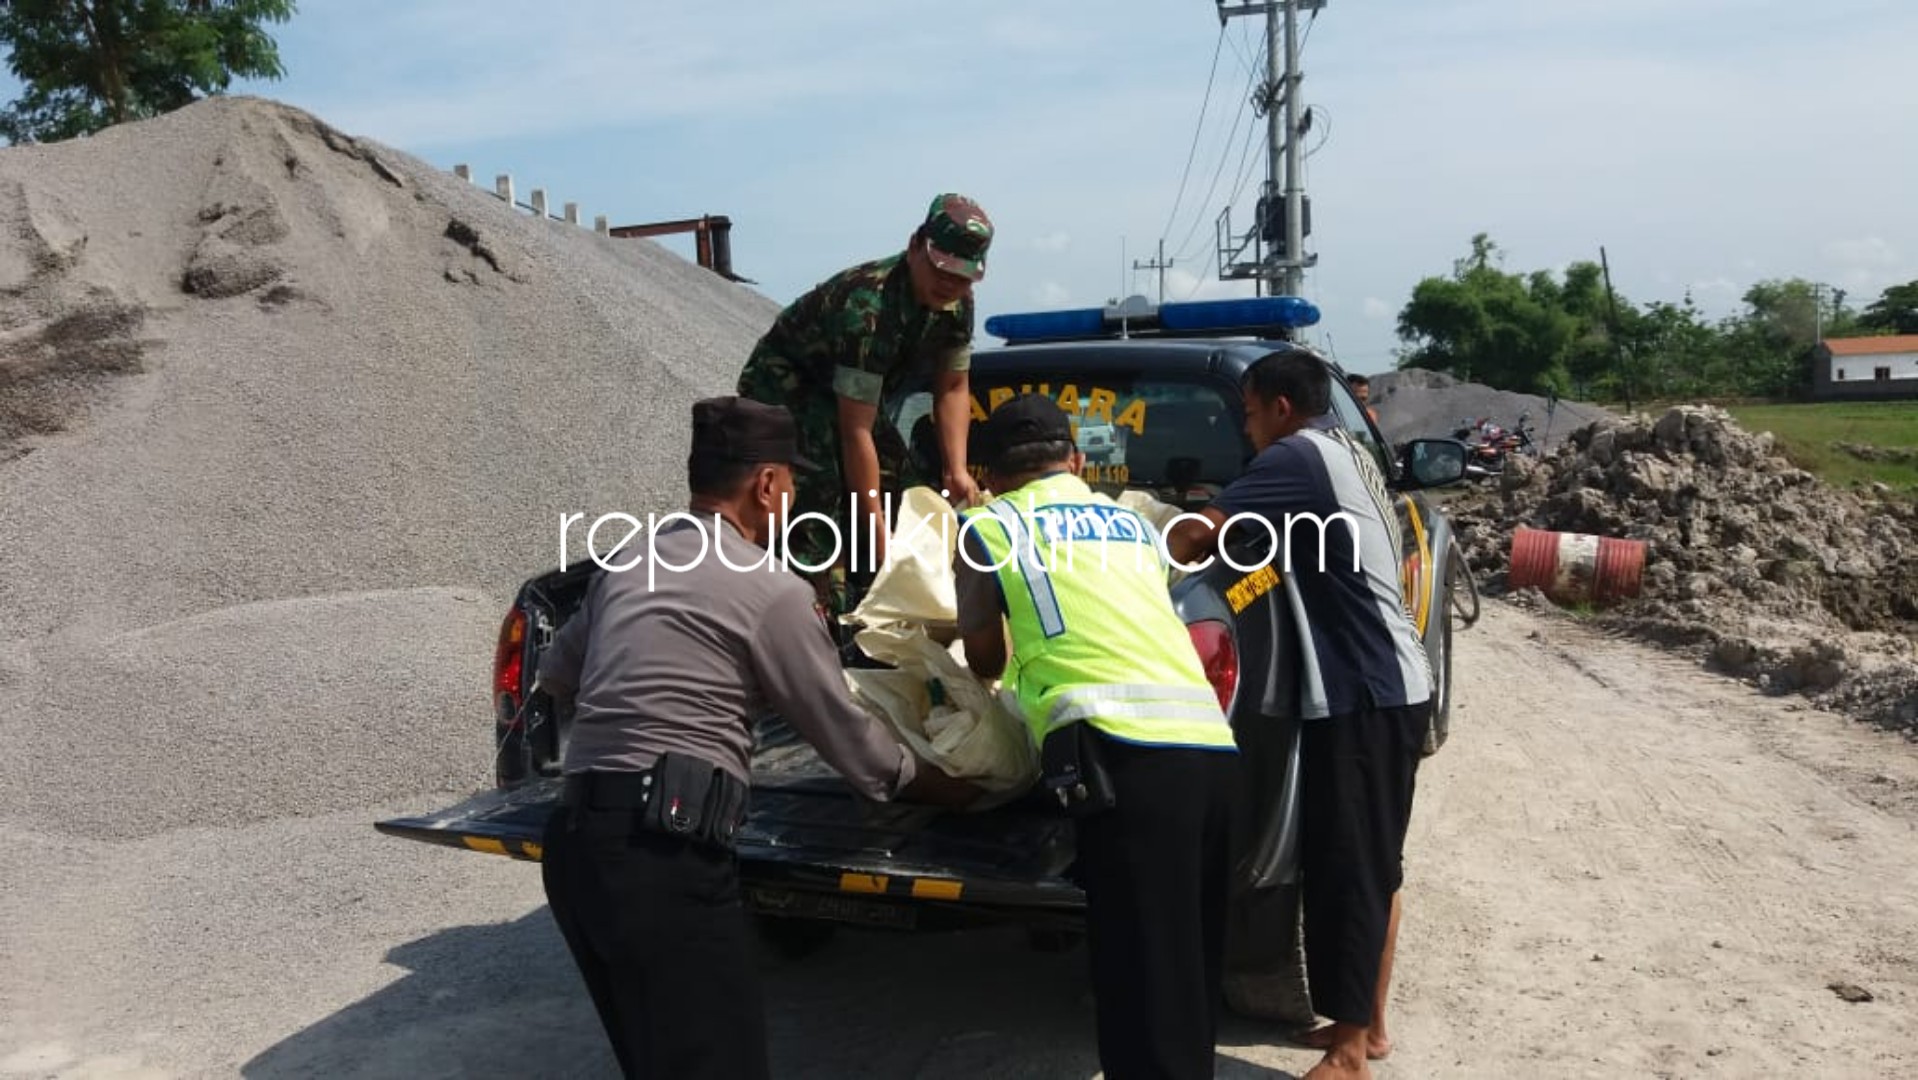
[{"x": 957, "y": 235}]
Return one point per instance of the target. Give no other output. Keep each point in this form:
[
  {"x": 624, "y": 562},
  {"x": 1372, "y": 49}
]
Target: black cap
[
  {"x": 744, "y": 430},
  {"x": 1028, "y": 418}
]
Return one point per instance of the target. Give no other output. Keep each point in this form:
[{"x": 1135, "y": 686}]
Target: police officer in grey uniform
[{"x": 667, "y": 678}]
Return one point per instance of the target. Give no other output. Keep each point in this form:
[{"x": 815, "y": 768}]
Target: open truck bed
[{"x": 812, "y": 849}]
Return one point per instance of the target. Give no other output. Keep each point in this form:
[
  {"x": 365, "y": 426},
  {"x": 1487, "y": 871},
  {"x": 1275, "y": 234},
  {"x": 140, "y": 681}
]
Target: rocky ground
[
  {"x": 1619, "y": 866},
  {"x": 1752, "y": 565}
]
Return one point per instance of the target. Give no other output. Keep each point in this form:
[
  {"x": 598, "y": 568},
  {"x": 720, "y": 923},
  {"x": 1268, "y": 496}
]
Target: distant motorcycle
[{"x": 1488, "y": 445}]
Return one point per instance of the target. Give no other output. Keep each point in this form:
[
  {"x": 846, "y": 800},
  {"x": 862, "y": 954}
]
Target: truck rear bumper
[{"x": 810, "y": 849}]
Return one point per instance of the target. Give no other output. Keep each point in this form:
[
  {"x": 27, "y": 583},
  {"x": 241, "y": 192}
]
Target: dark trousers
[
  {"x": 1154, "y": 873},
  {"x": 1355, "y": 796},
  {"x": 656, "y": 926}
]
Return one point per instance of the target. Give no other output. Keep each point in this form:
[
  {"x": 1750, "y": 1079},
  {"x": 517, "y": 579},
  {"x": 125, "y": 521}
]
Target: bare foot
[
  {"x": 1330, "y": 1069},
  {"x": 1377, "y": 1047}
]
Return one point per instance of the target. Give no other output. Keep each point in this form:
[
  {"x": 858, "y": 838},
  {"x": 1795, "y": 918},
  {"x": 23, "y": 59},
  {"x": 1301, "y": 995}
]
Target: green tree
[
  {"x": 1485, "y": 325},
  {"x": 1769, "y": 344},
  {"x": 1894, "y": 312},
  {"x": 1677, "y": 353},
  {"x": 89, "y": 64}
]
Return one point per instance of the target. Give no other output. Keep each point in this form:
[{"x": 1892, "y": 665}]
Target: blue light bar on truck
[
  {"x": 1081, "y": 322},
  {"x": 1256, "y": 311},
  {"x": 1247, "y": 315}
]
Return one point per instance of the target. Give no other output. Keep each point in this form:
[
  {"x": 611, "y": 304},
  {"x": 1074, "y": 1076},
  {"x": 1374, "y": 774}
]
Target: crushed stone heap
[
  {"x": 285, "y": 417},
  {"x": 1413, "y": 403},
  {"x": 1752, "y": 563}
]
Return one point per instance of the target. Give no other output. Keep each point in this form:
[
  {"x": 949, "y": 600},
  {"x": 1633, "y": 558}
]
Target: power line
[
  {"x": 1250, "y": 60},
  {"x": 1197, "y": 129},
  {"x": 1224, "y": 155},
  {"x": 1321, "y": 117},
  {"x": 1246, "y": 162}
]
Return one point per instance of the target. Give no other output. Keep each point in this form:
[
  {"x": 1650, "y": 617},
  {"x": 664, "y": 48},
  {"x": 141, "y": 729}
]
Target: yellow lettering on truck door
[{"x": 1102, "y": 402}]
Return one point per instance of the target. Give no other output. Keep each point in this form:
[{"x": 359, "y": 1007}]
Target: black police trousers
[
  {"x": 1154, "y": 868},
  {"x": 656, "y": 926}
]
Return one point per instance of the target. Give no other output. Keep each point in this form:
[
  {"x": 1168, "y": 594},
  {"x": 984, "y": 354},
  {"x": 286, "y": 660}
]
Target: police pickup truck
[{"x": 1158, "y": 389}]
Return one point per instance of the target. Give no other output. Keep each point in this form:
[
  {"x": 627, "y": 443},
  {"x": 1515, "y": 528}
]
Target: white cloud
[
  {"x": 1625, "y": 124},
  {"x": 1051, "y": 294},
  {"x": 604, "y": 65},
  {"x": 1863, "y": 252},
  {"x": 1186, "y": 285},
  {"x": 1023, "y": 33}
]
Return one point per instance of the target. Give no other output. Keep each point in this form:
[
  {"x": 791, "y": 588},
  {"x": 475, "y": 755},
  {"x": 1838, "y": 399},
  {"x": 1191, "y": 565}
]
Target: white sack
[{"x": 973, "y": 734}]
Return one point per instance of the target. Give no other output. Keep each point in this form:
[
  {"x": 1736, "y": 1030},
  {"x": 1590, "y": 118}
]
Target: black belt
[
  {"x": 679, "y": 795},
  {"x": 608, "y": 790}
]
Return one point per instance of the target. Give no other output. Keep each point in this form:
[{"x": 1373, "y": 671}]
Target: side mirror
[{"x": 1433, "y": 462}]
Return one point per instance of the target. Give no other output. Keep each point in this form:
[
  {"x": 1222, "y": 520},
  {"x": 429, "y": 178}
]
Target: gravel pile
[
  {"x": 1414, "y": 404},
  {"x": 284, "y": 418},
  {"x": 1752, "y": 564}
]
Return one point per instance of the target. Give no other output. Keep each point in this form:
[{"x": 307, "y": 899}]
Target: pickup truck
[{"x": 813, "y": 855}]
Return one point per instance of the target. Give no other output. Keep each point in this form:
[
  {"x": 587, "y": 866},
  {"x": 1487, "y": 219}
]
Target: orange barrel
[{"x": 1575, "y": 567}]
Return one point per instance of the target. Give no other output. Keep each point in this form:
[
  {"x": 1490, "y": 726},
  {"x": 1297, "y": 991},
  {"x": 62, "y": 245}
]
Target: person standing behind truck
[
  {"x": 1362, "y": 389},
  {"x": 1367, "y": 681},
  {"x": 831, "y": 357},
  {"x": 1130, "y": 732},
  {"x": 667, "y": 677}
]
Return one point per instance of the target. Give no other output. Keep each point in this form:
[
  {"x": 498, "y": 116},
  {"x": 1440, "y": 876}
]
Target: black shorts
[{"x": 1357, "y": 775}]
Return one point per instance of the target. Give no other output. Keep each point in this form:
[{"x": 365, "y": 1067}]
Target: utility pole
[
  {"x": 1618, "y": 347},
  {"x": 1282, "y": 261},
  {"x": 1158, "y": 264},
  {"x": 1291, "y": 262},
  {"x": 1818, "y": 308}
]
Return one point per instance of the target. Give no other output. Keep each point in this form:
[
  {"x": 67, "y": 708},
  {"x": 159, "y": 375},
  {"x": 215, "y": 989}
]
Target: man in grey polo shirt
[{"x": 668, "y": 669}]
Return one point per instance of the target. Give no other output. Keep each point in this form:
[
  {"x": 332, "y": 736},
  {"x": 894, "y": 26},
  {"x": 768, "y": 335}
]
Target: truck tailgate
[{"x": 808, "y": 833}]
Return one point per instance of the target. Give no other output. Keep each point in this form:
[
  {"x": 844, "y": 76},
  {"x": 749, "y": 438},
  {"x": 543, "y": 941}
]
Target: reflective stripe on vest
[
  {"x": 1095, "y": 637},
  {"x": 1038, "y": 581}
]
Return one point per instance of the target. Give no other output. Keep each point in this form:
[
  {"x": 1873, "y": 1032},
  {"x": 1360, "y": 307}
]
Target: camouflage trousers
[{"x": 815, "y": 409}]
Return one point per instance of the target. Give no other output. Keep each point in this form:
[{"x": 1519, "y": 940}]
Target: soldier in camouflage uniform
[{"x": 835, "y": 353}]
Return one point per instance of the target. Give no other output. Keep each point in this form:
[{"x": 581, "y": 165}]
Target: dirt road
[{"x": 1619, "y": 866}]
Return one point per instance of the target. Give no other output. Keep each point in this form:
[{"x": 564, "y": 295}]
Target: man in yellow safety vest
[{"x": 1132, "y": 736}]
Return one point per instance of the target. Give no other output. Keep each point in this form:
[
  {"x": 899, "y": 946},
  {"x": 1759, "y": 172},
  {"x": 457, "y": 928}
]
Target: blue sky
[{"x": 1706, "y": 144}]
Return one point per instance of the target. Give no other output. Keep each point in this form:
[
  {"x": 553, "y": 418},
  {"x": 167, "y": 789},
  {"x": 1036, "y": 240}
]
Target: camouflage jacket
[{"x": 858, "y": 333}]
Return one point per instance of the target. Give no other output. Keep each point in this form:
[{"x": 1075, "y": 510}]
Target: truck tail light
[
  {"x": 1219, "y": 655},
  {"x": 508, "y": 663}
]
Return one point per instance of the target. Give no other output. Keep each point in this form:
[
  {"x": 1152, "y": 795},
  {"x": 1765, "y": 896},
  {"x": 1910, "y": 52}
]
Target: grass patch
[{"x": 1809, "y": 435}]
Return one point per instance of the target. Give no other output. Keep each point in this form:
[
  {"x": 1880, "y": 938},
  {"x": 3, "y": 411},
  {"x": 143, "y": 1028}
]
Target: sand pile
[
  {"x": 1753, "y": 564},
  {"x": 289, "y": 415},
  {"x": 1415, "y": 404}
]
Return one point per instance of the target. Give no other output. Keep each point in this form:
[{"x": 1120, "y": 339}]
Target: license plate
[{"x": 810, "y": 905}]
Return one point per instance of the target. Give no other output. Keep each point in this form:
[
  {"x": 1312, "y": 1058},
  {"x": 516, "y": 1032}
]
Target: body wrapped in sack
[{"x": 929, "y": 697}]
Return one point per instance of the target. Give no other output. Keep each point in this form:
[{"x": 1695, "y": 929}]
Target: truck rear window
[{"x": 1180, "y": 439}]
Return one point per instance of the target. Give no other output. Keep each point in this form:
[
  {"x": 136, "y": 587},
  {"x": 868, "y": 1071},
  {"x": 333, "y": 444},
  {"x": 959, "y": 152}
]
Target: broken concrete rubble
[{"x": 1753, "y": 564}]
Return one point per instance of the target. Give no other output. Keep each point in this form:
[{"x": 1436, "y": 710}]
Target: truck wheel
[
  {"x": 1265, "y": 977},
  {"x": 1461, "y": 589},
  {"x": 1440, "y": 725},
  {"x": 794, "y": 939}
]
